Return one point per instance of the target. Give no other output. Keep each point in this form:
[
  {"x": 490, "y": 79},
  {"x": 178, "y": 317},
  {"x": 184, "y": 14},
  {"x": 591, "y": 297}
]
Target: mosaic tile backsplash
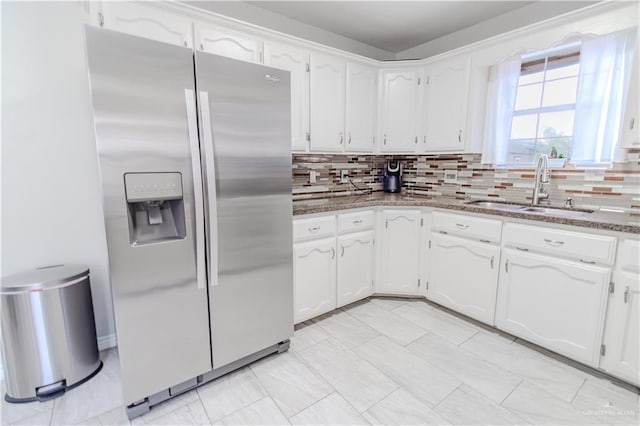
[{"x": 617, "y": 187}]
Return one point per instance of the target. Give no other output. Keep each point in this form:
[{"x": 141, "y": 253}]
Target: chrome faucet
[{"x": 542, "y": 176}]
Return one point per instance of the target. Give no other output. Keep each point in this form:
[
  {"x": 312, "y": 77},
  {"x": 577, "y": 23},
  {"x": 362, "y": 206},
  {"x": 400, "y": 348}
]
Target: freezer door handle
[
  {"x": 210, "y": 177},
  {"x": 198, "y": 237}
]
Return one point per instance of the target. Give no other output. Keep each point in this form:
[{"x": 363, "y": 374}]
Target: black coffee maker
[{"x": 393, "y": 176}]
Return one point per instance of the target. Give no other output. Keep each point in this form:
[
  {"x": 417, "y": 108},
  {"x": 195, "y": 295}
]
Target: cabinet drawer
[
  {"x": 316, "y": 227},
  {"x": 349, "y": 222},
  {"x": 586, "y": 248},
  {"x": 629, "y": 256},
  {"x": 478, "y": 228}
]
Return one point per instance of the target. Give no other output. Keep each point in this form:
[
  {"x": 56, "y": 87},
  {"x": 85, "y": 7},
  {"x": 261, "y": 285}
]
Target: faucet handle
[{"x": 568, "y": 202}]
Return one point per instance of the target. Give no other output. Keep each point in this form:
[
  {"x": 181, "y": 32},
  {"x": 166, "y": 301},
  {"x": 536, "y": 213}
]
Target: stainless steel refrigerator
[{"x": 195, "y": 163}]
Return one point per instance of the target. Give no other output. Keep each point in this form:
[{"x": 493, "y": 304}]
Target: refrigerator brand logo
[{"x": 272, "y": 78}]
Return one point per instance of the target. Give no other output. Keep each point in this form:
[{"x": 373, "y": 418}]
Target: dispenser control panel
[{"x": 153, "y": 186}]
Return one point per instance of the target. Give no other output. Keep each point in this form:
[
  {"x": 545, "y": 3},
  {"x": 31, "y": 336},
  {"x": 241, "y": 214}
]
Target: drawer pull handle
[
  {"x": 357, "y": 222},
  {"x": 491, "y": 262},
  {"x": 342, "y": 253},
  {"x": 506, "y": 266},
  {"x": 314, "y": 229},
  {"x": 485, "y": 241},
  {"x": 522, "y": 249},
  {"x": 317, "y": 250},
  {"x": 626, "y": 294},
  {"x": 443, "y": 232},
  {"x": 462, "y": 226},
  {"x": 554, "y": 243},
  {"x": 588, "y": 262}
]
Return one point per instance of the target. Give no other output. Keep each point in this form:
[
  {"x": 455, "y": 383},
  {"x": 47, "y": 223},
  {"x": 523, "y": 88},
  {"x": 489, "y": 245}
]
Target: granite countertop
[{"x": 612, "y": 221}]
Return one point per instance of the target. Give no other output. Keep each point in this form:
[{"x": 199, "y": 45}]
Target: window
[
  {"x": 544, "y": 108},
  {"x": 566, "y": 102}
]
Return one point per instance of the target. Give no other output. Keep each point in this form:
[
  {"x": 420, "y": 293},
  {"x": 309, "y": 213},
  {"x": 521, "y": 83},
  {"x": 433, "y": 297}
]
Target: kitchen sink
[
  {"x": 498, "y": 205},
  {"x": 527, "y": 208},
  {"x": 555, "y": 211}
]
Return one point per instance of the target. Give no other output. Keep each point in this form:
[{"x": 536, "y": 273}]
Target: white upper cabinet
[
  {"x": 229, "y": 43},
  {"x": 399, "y": 110},
  {"x": 400, "y": 253},
  {"x": 296, "y": 61},
  {"x": 146, "y": 21},
  {"x": 630, "y": 135},
  {"x": 445, "y": 94},
  {"x": 362, "y": 88},
  {"x": 327, "y": 102}
]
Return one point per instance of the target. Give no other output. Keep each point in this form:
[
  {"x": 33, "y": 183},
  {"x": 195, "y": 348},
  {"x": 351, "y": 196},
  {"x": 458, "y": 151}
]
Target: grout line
[
  {"x": 512, "y": 391},
  {"x": 467, "y": 339},
  {"x": 578, "y": 391},
  {"x": 448, "y": 394}
]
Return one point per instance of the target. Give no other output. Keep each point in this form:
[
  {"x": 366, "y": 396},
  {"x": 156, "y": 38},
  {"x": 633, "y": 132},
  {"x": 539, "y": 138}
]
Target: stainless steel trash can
[{"x": 48, "y": 332}]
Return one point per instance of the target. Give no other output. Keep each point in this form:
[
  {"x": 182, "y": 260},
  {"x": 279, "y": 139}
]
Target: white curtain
[
  {"x": 501, "y": 99},
  {"x": 605, "y": 68}
]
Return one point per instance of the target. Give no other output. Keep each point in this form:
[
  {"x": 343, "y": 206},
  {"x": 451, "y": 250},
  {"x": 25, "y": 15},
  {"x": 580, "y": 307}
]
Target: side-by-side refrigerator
[{"x": 195, "y": 162}]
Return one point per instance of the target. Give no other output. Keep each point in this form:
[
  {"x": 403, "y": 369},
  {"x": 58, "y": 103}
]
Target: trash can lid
[{"x": 43, "y": 278}]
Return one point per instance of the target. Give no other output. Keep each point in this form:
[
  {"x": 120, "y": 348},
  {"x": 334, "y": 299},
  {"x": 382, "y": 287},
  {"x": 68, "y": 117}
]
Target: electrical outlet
[
  {"x": 450, "y": 176},
  {"x": 344, "y": 176},
  {"x": 313, "y": 176}
]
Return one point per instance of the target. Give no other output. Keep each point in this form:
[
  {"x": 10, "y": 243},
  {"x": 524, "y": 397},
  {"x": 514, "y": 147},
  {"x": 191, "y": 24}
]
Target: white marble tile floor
[{"x": 379, "y": 362}]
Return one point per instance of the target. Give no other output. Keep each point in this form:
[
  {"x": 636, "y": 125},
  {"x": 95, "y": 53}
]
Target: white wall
[
  {"x": 51, "y": 192},
  {"x": 518, "y": 18}
]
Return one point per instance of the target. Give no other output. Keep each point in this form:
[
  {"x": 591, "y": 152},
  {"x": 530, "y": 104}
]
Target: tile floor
[{"x": 384, "y": 361}]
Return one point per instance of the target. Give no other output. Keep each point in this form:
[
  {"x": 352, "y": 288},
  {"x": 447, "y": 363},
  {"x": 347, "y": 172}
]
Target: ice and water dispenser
[{"x": 155, "y": 207}]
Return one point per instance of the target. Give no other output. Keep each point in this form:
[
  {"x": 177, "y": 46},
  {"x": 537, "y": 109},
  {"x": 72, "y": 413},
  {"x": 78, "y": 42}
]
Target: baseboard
[{"x": 106, "y": 342}]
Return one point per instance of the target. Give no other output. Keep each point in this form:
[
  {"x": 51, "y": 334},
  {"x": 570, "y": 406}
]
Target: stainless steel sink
[
  {"x": 498, "y": 205},
  {"x": 527, "y": 208},
  {"x": 556, "y": 211}
]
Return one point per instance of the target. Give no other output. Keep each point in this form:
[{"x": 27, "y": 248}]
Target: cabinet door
[
  {"x": 464, "y": 276},
  {"x": 296, "y": 61},
  {"x": 146, "y": 21},
  {"x": 224, "y": 42},
  {"x": 399, "y": 110},
  {"x": 445, "y": 99},
  {"x": 555, "y": 303},
  {"x": 355, "y": 267},
  {"x": 400, "y": 254},
  {"x": 327, "y": 102},
  {"x": 314, "y": 268},
  {"x": 630, "y": 136},
  {"x": 361, "y": 107},
  {"x": 622, "y": 331}
]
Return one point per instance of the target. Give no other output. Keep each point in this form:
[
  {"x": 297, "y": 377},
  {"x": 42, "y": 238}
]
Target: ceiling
[{"x": 391, "y": 25}]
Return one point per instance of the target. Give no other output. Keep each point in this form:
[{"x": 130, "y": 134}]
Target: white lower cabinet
[
  {"x": 463, "y": 275},
  {"x": 400, "y": 252},
  {"x": 621, "y": 342},
  {"x": 355, "y": 267},
  {"x": 555, "y": 303},
  {"x": 314, "y": 270}
]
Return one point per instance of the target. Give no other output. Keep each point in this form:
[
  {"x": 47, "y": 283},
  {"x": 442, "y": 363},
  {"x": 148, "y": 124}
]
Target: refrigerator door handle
[
  {"x": 210, "y": 176},
  {"x": 197, "y": 187}
]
